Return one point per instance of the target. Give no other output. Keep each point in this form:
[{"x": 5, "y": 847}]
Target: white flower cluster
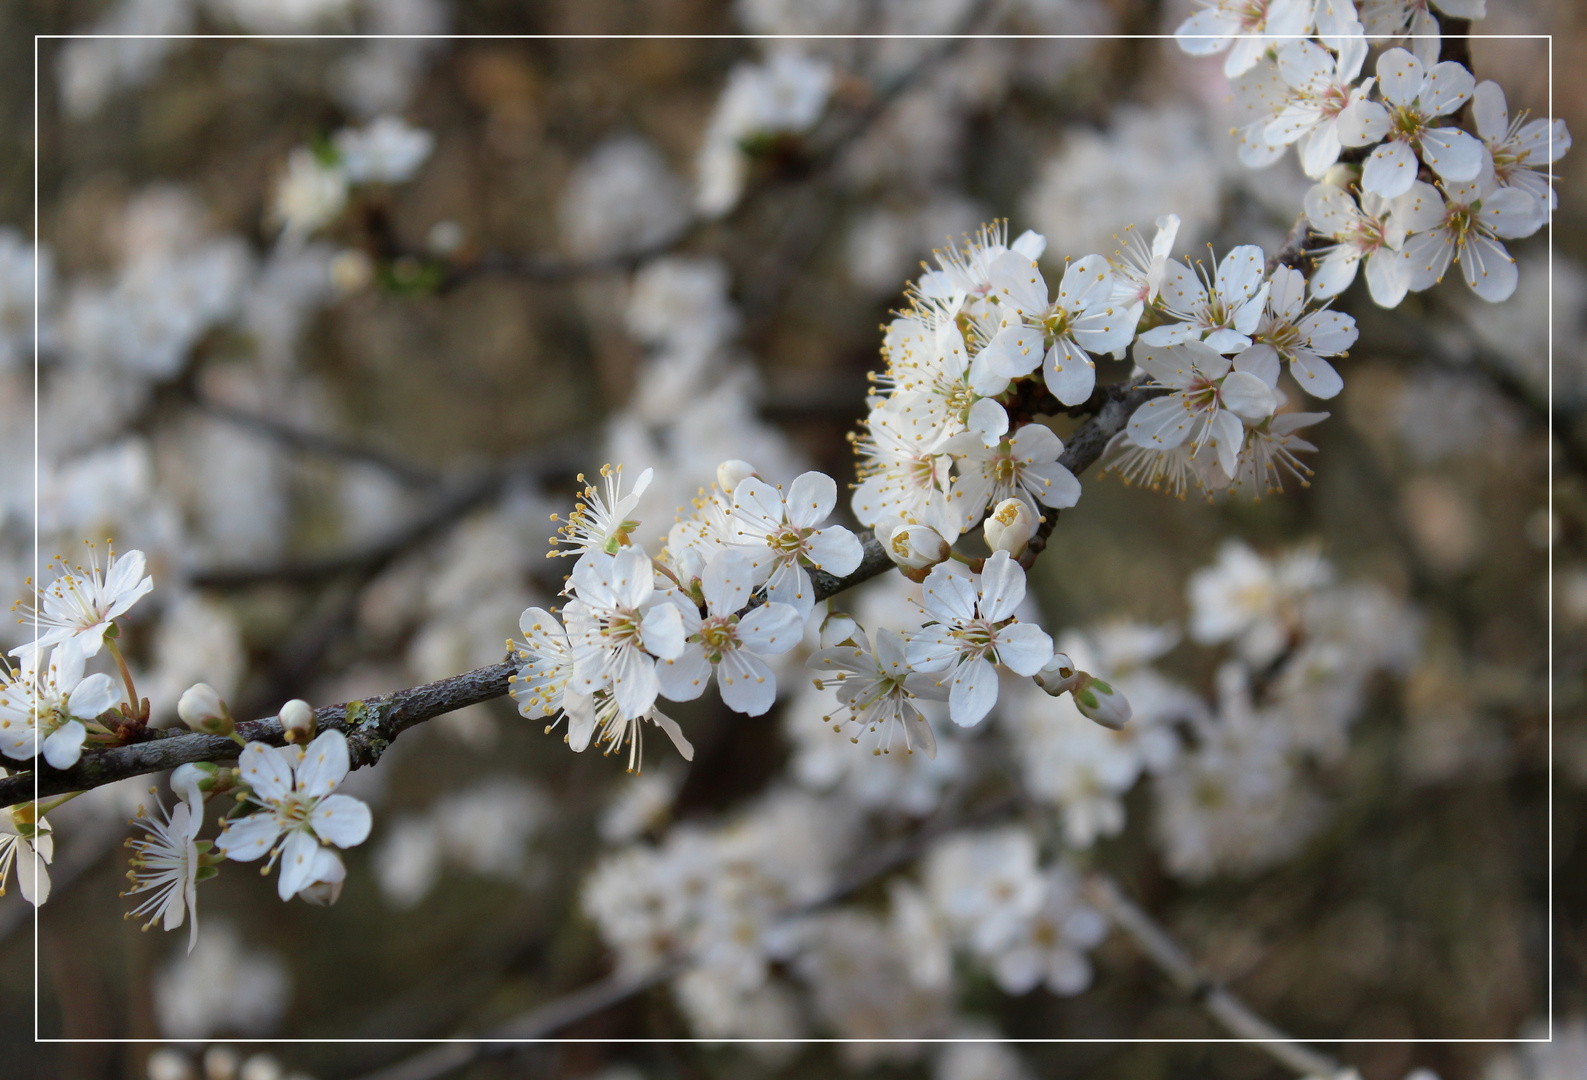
[{"x": 1429, "y": 192}]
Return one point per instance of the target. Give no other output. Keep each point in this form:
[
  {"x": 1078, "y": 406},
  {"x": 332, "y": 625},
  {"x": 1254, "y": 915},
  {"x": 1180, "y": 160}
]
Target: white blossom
[
  {"x": 1415, "y": 97},
  {"x": 166, "y": 862},
  {"x": 1368, "y": 233},
  {"x": 1250, "y": 26},
  {"x": 1521, "y": 151},
  {"x": 1050, "y": 946},
  {"x": 785, "y": 95},
  {"x": 1415, "y": 19},
  {"x": 600, "y": 520},
  {"x": 618, "y": 626},
  {"x": 79, "y": 605},
  {"x": 1253, "y": 601},
  {"x": 1322, "y": 86},
  {"x": 1288, "y": 332},
  {"x": 784, "y": 540},
  {"x": 1223, "y": 312},
  {"x": 309, "y": 195},
  {"x": 902, "y": 481},
  {"x": 293, "y": 787},
  {"x": 1211, "y": 398},
  {"x": 731, "y": 646},
  {"x": 974, "y": 628},
  {"x": 1464, "y": 224},
  {"x": 1058, "y": 335},
  {"x": 1138, "y": 269},
  {"x": 877, "y": 689},
  {"x": 987, "y": 884},
  {"x": 31, "y": 846},
  {"x": 44, "y": 708},
  {"x": 387, "y": 151},
  {"x": 1025, "y": 467}
]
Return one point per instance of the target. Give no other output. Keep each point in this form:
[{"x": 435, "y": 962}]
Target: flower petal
[
  {"x": 811, "y": 498},
  {"x": 341, "y": 820}
]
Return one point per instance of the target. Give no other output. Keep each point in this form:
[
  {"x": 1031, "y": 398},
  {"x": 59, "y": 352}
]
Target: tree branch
[
  {"x": 387, "y": 716},
  {"x": 1235, "y": 1016}
]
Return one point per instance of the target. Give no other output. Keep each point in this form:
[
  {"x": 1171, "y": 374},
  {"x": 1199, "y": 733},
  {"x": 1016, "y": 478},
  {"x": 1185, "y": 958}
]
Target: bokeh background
[{"x": 340, "y": 456}]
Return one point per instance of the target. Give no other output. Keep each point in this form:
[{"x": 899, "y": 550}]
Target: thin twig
[
  {"x": 1292, "y": 252},
  {"x": 1160, "y": 948}
]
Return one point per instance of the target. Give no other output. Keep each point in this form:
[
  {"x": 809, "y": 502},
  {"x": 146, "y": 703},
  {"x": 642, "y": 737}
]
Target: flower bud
[
  {"x": 916, "y": 547},
  {"x": 297, "y": 720},
  {"x": 837, "y": 628},
  {"x": 1010, "y": 526},
  {"x": 329, "y": 874},
  {"x": 1100, "y": 702},
  {"x": 1342, "y": 175},
  {"x": 731, "y": 472},
  {"x": 1057, "y": 675},
  {"x": 202, "y": 709}
]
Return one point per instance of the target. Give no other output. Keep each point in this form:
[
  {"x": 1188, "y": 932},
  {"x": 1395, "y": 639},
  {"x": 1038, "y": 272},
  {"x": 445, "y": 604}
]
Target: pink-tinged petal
[
  {"x": 1206, "y": 32},
  {"x": 1488, "y": 268},
  {"x": 947, "y": 597},
  {"x": 1335, "y": 273},
  {"x": 728, "y": 580},
  {"x": 1261, "y": 361},
  {"x": 1362, "y": 123},
  {"x": 1014, "y": 351},
  {"x": 1328, "y": 333},
  {"x": 634, "y": 682},
  {"x": 1002, "y": 587},
  {"x": 1400, "y": 76},
  {"x": 263, "y": 770},
  {"x": 1052, "y": 484},
  {"x": 835, "y": 550},
  {"x": 973, "y": 692},
  {"x": 771, "y": 629},
  {"x": 341, "y": 820},
  {"x": 758, "y": 508},
  {"x": 1448, "y": 87},
  {"x": 1017, "y": 283},
  {"x": 1488, "y": 108},
  {"x": 675, "y": 733},
  {"x": 633, "y": 577},
  {"x": 1087, "y": 282},
  {"x": 1247, "y": 396},
  {"x": 65, "y": 745},
  {"x": 1453, "y": 154},
  {"x": 1315, "y": 375},
  {"x": 296, "y": 868},
  {"x": 325, "y": 764},
  {"x": 1161, "y": 424},
  {"x": 1070, "y": 373},
  {"x": 1023, "y": 648},
  {"x": 661, "y": 630},
  {"x": 811, "y": 498},
  {"x": 1228, "y": 435},
  {"x": 1386, "y": 278},
  {"x": 685, "y": 678},
  {"x": 1508, "y": 212},
  {"x": 245, "y": 839},
  {"x": 747, "y": 685},
  {"x": 1390, "y": 171},
  {"x": 1034, "y": 443},
  {"x": 1426, "y": 257}
]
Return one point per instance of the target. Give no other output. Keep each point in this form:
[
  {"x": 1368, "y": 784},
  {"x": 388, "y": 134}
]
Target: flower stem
[
  {"x": 126, "y": 675},
  {"x": 46, "y": 807}
]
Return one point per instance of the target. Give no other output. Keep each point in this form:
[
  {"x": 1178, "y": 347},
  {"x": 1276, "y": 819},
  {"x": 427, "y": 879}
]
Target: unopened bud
[
  {"x": 297, "y": 720},
  {"x": 329, "y": 874},
  {"x": 202, "y": 709},
  {"x": 838, "y": 628},
  {"x": 1058, "y": 675},
  {"x": 1010, "y": 526},
  {"x": 1100, "y": 702},
  {"x": 732, "y": 472},
  {"x": 917, "y": 547},
  {"x": 1342, "y": 175}
]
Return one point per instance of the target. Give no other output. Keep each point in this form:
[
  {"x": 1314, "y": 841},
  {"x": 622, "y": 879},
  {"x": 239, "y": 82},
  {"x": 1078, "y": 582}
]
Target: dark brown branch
[{"x": 1292, "y": 252}]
